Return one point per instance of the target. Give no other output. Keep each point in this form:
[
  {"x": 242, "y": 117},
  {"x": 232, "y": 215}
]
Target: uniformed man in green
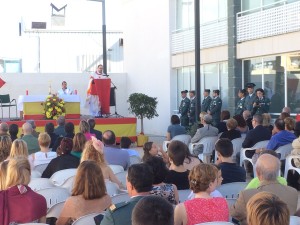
[
  {"x": 215, "y": 108},
  {"x": 240, "y": 106},
  {"x": 206, "y": 101},
  {"x": 184, "y": 109},
  {"x": 139, "y": 184},
  {"x": 192, "y": 112},
  {"x": 261, "y": 104},
  {"x": 250, "y": 98}
]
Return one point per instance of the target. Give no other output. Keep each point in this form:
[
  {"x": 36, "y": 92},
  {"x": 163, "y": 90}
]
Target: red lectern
[{"x": 103, "y": 91}]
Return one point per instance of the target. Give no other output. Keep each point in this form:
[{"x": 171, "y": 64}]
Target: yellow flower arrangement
[{"x": 54, "y": 107}]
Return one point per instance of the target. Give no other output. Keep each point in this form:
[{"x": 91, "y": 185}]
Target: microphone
[{"x": 105, "y": 75}]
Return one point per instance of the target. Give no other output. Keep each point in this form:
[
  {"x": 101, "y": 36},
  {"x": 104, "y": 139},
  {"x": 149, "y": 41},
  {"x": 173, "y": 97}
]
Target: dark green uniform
[
  {"x": 249, "y": 101},
  {"x": 263, "y": 106},
  {"x": 205, "y": 104},
  {"x": 215, "y": 110},
  {"x": 240, "y": 107},
  {"x": 120, "y": 214},
  {"x": 183, "y": 110},
  {"x": 193, "y": 111}
]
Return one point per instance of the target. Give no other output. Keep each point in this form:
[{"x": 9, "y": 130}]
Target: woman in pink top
[
  {"x": 84, "y": 128},
  {"x": 203, "y": 208}
]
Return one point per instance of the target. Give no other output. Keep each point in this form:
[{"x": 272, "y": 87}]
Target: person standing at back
[
  {"x": 192, "y": 112},
  {"x": 262, "y": 103},
  {"x": 206, "y": 101},
  {"x": 184, "y": 109},
  {"x": 215, "y": 108},
  {"x": 250, "y": 98},
  {"x": 240, "y": 106}
]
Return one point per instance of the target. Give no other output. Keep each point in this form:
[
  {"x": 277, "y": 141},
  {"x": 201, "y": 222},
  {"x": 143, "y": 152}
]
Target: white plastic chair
[
  {"x": 237, "y": 146},
  {"x": 208, "y": 147},
  {"x": 122, "y": 177},
  {"x": 261, "y": 144},
  {"x": 40, "y": 168},
  {"x": 123, "y": 197},
  {"x": 215, "y": 223},
  {"x": 55, "y": 210},
  {"x": 86, "y": 220},
  {"x": 54, "y": 195},
  {"x": 183, "y": 195},
  {"x": 69, "y": 184},
  {"x": 35, "y": 174},
  {"x": 185, "y": 138},
  {"x": 116, "y": 168},
  {"x": 289, "y": 165},
  {"x": 284, "y": 151},
  {"x": 134, "y": 159},
  {"x": 40, "y": 183},
  {"x": 60, "y": 177},
  {"x": 294, "y": 220},
  {"x": 112, "y": 188},
  {"x": 232, "y": 190}
]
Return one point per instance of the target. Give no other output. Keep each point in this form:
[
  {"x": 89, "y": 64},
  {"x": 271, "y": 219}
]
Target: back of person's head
[
  {"x": 266, "y": 208},
  {"x": 201, "y": 176},
  {"x": 240, "y": 120},
  {"x": 3, "y": 174},
  {"x": 287, "y": 110},
  {"x": 3, "y": 128},
  {"x": 297, "y": 129},
  {"x": 159, "y": 169},
  {"x": 18, "y": 148},
  {"x": 109, "y": 137},
  {"x": 44, "y": 140},
  {"x": 147, "y": 148},
  {"x": 225, "y": 115},
  {"x": 201, "y": 115},
  {"x": 49, "y": 128},
  {"x": 284, "y": 115},
  {"x": 153, "y": 210},
  {"x": 69, "y": 128},
  {"x": 125, "y": 142},
  {"x": 267, "y": 167},
  {"x": 27, "y": 128},
  {"x": 279, "y": 124},
  {"x": 231, "y": 124},
  {"x": 90, "y": 153},
  {"x": 224, "y": 147},
  {"x": 140, "y": 177},
  {"x": 84, "y": 127},
  {"x": 266, "y": 117},
  {"x": 175, "y": 120},
  {"x": 289, "y": 123},
  {"x": 258, "y": 119},
  {"x": 246, "y": 114},
  {"x": 65, "y": 147},
  {"x": 92, "y": 123},
  {"x": 32, "y": 123},
  {"x": 79, "y": 141},
  {"x": 89, "y": 181},
  {"x": 61, "y": 121},
  {"x": 176, "y": 152},
  {"x": 18, "y": 171},
  {"x": 13, "y": 129},
  {"x": 5, "y": 146},
  {"x": 207, "y": 119}
]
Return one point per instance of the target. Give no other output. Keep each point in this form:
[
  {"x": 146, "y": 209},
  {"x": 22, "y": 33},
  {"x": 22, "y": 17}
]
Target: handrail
[{"x": 261, "y": 8}]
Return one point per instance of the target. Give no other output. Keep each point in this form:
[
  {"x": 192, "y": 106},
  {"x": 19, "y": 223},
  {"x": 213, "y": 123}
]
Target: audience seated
[
  {"x": 60, "y": 129},
  {"x": 84, "y": 128},
  {"x": 93, "y": 150},
  {"x": 289, "y": 124},
  {"x": 69, "y": 130},
  {"x": 5, "y": 146},
  {"x": 175, "y": 128},
  {"x": 151, "y": 149},
  {"x": 34, "y": 132},
  {"x": 159, "y": 188},
  {"x": 13, "y": 131},
  {"x": 125, "y": 143},
  {"x": 281, "y": 136},
  {"x": 45, "y": 155},
  {"x": 177, "y": 174},
  {"x": 247, "y": 117},
  {"x": 232, "y": 132},
  {"x": 64, "y": 160},
  {"x": 206, "y": 131},
  {"x": 203, "y": 208},
  {"x": 3, "y": 173},
  {"x": 286, "y": 109},
  {"x": 18, "y": 203},
  {"x": 190, "y": 161},
  {"x": 49, "y": 129},
  {"x": 112, "y": 153},
  {"x": 98, "y": 133},
  {"x": 225, "y": 115},
  {"x": 18, "y": 148},
  {"x": 88, "y": 194},
  {"x": 31, "y": 141},
  {"x": 231, "y": 172},
  {"x": 79, "y": 141},
  {"x": 139, "y": 184},
  {"x": 267, "y": 121},
  {"x": 4, "y": 129},
  {"x": 153, "y": 210},
  {"x": 266, "y": 208},
  {"x": 284, "y": 115},
  {"x": 267, "y": 168},
  {"x": 241, "y": 124}
]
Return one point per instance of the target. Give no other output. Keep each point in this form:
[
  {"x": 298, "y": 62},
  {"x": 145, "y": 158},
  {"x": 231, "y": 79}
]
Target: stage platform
[{"x": 125, "y": 126}]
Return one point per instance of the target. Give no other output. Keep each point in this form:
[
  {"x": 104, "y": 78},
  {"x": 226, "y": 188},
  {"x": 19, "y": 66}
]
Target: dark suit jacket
[
  {"x": 231, "y": 134},
  {"x": 97, "y": 133},
  {"x": 259, "y": 133}
]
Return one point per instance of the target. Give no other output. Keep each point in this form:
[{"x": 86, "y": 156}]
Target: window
[
  {"x": 10, "y": 66},
  {"x": 184, "y": 14},
  {"x": 212, "y": 10}
]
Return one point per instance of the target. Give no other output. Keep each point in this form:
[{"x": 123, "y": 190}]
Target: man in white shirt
[{"x": 64, "y": 89}]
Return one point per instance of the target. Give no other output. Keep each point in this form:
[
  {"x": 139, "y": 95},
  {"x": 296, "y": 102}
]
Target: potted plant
[{"x": 142, "y": 106}]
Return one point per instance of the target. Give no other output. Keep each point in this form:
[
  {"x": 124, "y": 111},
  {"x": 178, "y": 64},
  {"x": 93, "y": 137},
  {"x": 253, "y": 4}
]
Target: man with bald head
[
  {"x": 32, "y": 142},
  {"x": 267, "y": 168}
]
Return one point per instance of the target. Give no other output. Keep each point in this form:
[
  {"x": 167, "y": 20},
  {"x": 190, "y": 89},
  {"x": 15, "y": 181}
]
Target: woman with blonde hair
[
  {"x": 88, "y": 195},
  {"x": 5, "y": 145},
  {"x": 18, "y": 148},
  {"x": 203, "y": 181},
  {"x": 267, "y": 121},
  {"x": 84, "y": 128},
  {"x": 17, "y": 194},
  {"x": 93, "y": 150},
  {"x": 3, "y": 172}
]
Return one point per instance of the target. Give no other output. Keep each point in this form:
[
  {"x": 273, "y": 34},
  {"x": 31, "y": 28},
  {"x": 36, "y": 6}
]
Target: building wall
[{"x": 147, "y": 56}]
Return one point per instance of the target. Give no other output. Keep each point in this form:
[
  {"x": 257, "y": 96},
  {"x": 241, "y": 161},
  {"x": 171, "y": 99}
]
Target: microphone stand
[{"x": 114, "y": 87}]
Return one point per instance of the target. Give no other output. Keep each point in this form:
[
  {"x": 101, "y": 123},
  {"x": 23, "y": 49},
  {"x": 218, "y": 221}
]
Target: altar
[{"x": 32, "y": 106}]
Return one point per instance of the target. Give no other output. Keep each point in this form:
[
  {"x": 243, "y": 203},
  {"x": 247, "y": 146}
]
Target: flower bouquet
[{"x": 54, "y": 107}]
